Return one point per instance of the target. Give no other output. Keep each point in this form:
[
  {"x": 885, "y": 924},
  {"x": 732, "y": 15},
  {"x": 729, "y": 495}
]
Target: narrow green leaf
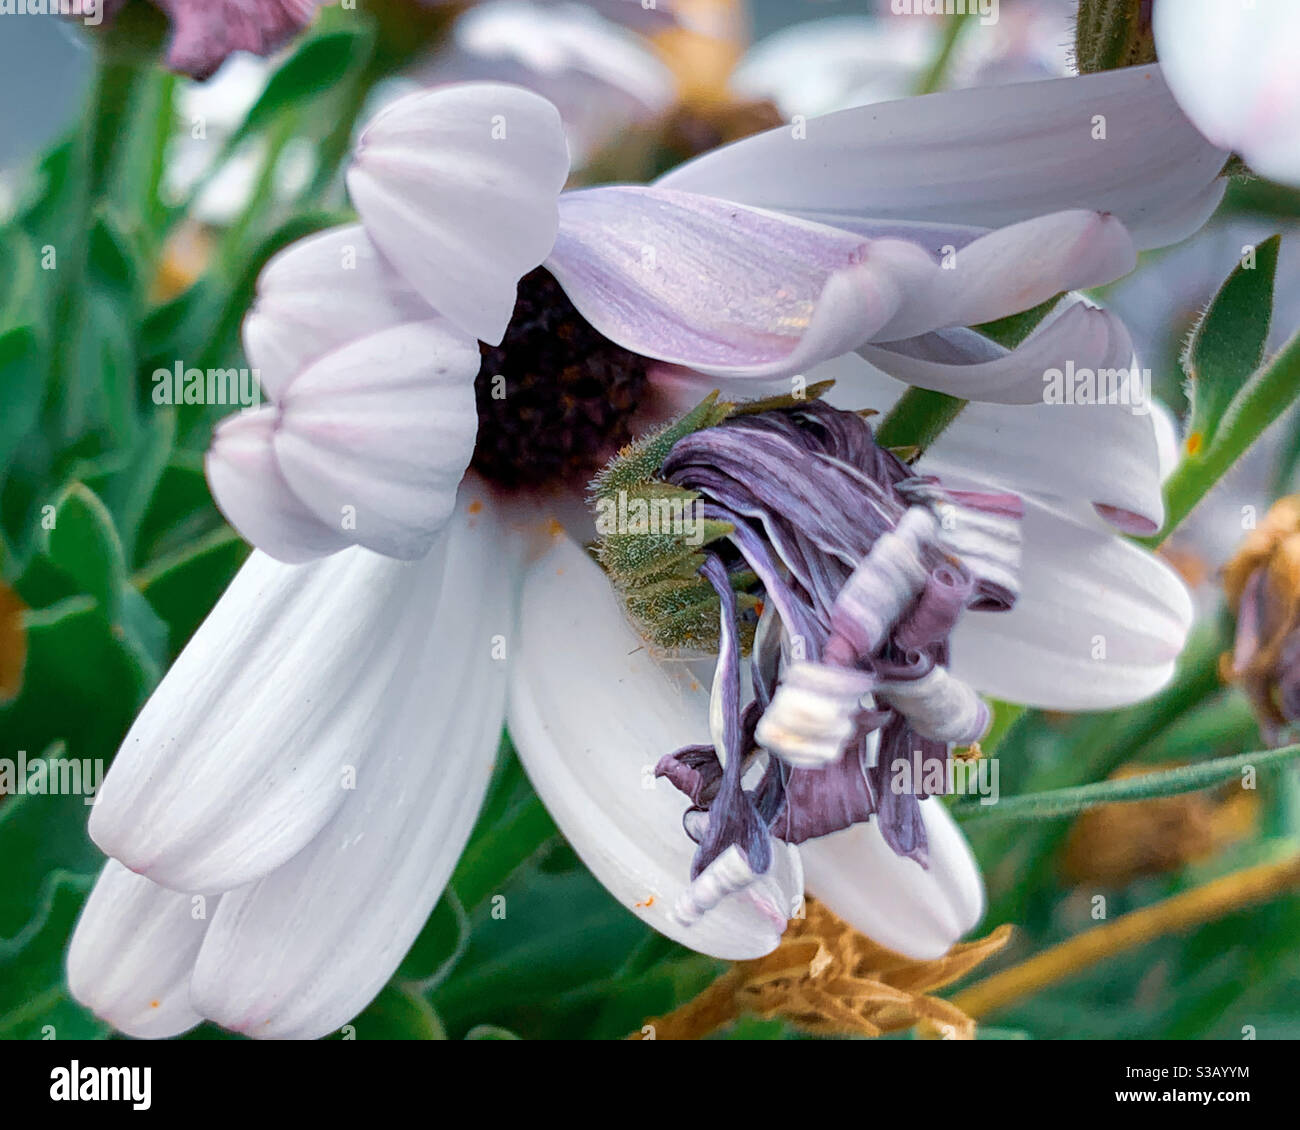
[
  {"x": 1171, "y": 782},
  {"x": 315, "y": 66}
]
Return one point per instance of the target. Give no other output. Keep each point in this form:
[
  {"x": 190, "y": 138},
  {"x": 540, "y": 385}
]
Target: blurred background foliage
[{"x": 108, "y": 272}]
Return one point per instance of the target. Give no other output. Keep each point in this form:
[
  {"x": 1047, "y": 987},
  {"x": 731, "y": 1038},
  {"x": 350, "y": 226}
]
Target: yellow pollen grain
[{"x": 1194, "y": 442}]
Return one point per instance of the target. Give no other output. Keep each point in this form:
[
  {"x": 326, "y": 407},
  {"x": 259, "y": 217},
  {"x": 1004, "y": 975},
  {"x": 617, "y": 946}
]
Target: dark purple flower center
[{"x": 555, "y": 398}]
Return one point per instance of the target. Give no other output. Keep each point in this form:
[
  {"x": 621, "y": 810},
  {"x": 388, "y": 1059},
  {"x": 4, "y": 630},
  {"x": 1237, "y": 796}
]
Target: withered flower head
[
  {"x": 1262, "y": 584},
  {"x": 1114, "y": 844},
  {"x": 827, "y": 979}
]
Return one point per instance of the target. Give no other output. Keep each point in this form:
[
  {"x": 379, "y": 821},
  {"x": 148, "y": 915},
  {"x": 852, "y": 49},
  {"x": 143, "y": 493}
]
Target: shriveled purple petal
[
  {"x": 694, "y": 771},
  {"x": 884, "y": 584},
  {"x": 733, "y": 819},
  {"x": 898, "y": 794},
  {"x": 948, "y": 590},
  {"x": 816, "y": 802}
]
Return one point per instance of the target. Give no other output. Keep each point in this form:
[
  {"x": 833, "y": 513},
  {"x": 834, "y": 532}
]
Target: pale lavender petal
[
  {"x": 132, "y": 953},
  {"x": 1098, "y": 624},
  {"x": 721, "y": 288},
  {"x": 367, "y": 446}
]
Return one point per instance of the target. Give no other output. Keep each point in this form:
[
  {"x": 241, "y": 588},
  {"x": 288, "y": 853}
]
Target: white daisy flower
[{"x": 287, "y": 809}]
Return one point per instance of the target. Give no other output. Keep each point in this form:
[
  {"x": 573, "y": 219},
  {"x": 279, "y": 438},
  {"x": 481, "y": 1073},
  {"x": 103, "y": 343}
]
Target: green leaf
[
  {"x": 512, "y": 827},
  {"x": 489, "y": 1032},
  {"x": 22, "y": 387},
  {"x": 439, "y": 946},
  {"x": 84, "y": 544},
  {"x": 548, "y": 960},
  {"x": 113, "y": 262},
  {"x": 1171, "y": 782},
  {"x": 396, "y": 1014},
  {"x": 129, "y": 493},
  {"x": 19, "y": 286},
  {"x": 314, "y": 68},
  {"x": 34, "y": 1002},
  {"x": 1228, "y": 343},
  {"x": 1265, "y": 398},
  {"x": 40, "y": 832},
  {"x": 143, "y": 633},
  {"x": 80, "y": 683}
]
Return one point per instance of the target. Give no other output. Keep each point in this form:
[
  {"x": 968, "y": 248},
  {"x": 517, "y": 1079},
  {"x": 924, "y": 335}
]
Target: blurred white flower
[{"x": 1232, "y": 66}]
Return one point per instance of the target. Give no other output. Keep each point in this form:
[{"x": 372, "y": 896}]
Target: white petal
[
  {"x": 250, "y": 490},
  {"x": 987, "y": 157},
  {"x": 238, "y": 759},
  {"x": 917, "y": 912},
  {"x": 591, "y": 713},
  {"x": 1015, "y": 268},
  {"x": 458, "y": 186},
  {"x": 1098, "y": 624},
  {"x": 974, "y": 368},
  {"x": 302, "y": 951},
  {"x": 1104, "y": 455},
  {"x": 376, "y": 435},
  {"x": 1232, "y": 68},
  {"x": 318, "y": 294},
  {"x": 132, "y": 953}
]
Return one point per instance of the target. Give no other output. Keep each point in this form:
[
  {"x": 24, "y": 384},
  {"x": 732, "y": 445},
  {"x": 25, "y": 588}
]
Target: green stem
[
  {"x": 1267, "y": 395},
  {"x": 917, "y": 419},
  {"x": 1057, "y": 803},
  {"x": 933, "y": 78}
]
